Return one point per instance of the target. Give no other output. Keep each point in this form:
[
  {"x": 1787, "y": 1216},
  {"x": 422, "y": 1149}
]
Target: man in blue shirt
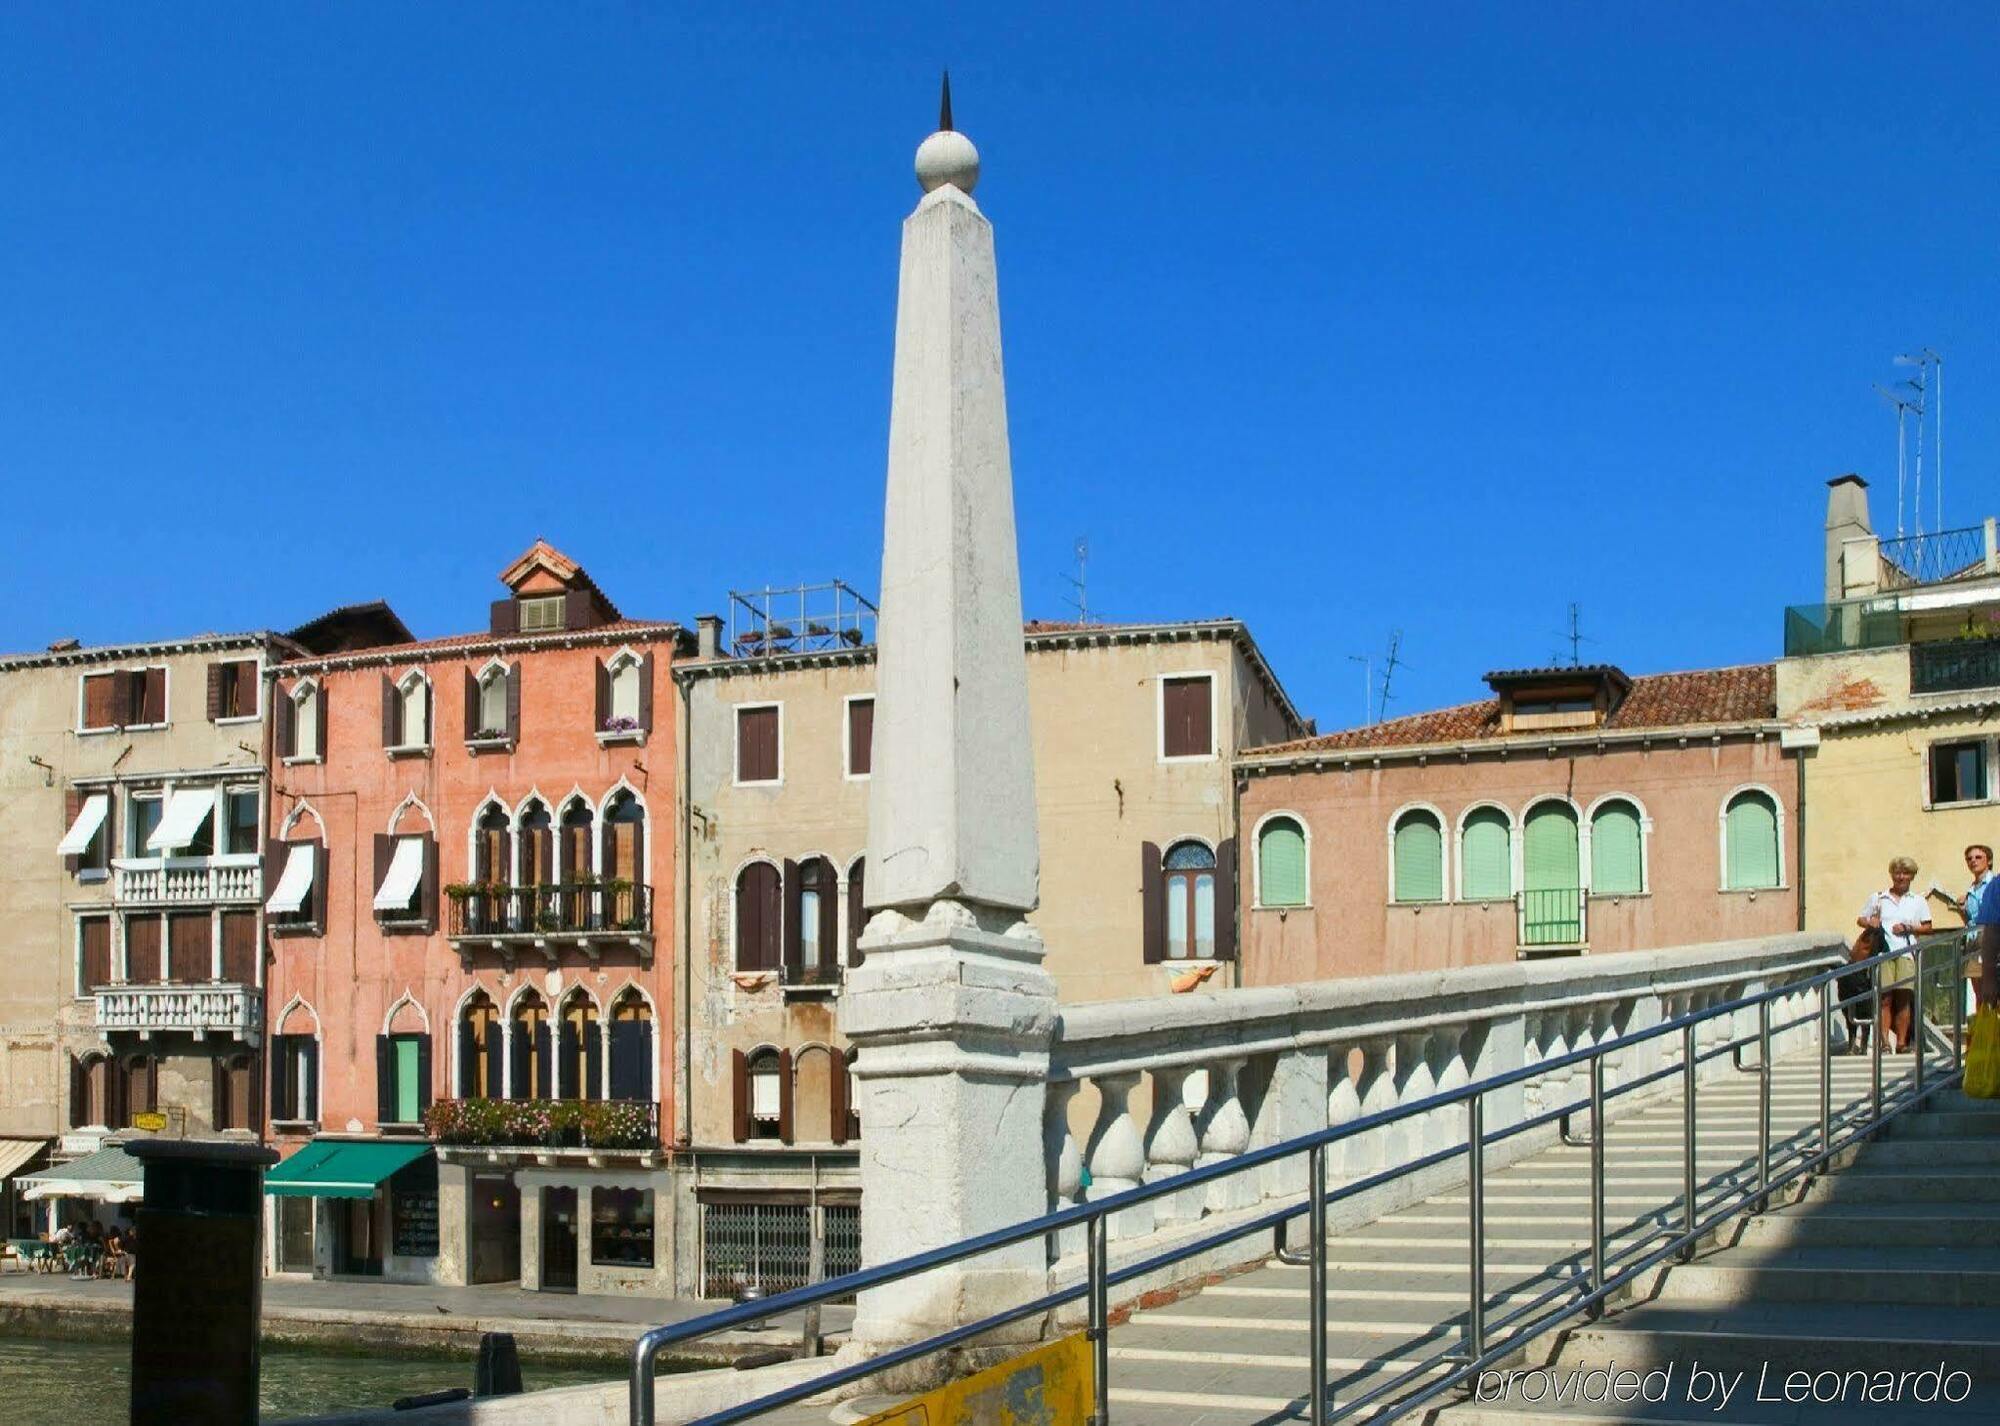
[{"x": 1986, "y": 916}]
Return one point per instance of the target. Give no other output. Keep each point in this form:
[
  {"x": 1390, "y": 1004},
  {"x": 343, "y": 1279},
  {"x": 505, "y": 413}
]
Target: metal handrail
[{"x": 1479, "y": 1350}]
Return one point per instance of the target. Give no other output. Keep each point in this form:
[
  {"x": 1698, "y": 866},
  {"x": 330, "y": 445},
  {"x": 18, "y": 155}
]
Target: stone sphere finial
[{"x": 948, "y": 157}]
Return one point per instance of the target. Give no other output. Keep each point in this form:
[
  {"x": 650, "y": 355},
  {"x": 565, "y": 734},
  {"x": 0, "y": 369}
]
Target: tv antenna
[
  {"x": 1928, "y": 384},
  {"x": 1081, "y": 600},
  {"x": 1367, "y": 662},
  {"x": 1389, "y": 666},
  {"x": 1904, "y": 406},
  {"x": 1576, "y": 637}
]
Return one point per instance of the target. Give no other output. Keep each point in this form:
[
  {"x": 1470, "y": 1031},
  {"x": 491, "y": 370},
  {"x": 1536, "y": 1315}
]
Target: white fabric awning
[
  {"x": 15, "y": 1152},
  {"x": 184, "y": 815},
  {"x": 89, "y": 818},
  {"x": 406, "y": 869},
  {"x": 295, "y": 881}
]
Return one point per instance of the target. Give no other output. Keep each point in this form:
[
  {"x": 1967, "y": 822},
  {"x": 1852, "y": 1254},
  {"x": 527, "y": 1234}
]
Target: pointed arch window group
[
  {"x": 545, "y": 868},
  {"x": 568, "y": 1049}
]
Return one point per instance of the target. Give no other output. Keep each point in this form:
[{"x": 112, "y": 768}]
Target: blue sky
[{"x": 1339, "y": 319}]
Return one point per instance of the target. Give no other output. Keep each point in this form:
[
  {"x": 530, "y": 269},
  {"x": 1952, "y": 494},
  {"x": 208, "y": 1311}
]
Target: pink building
[
  {"x": 471, "y": 928},
  {"x": 1576, "y": 810}
]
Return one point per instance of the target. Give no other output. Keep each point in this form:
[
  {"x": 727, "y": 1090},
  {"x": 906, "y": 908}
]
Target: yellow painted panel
[{"x": 1050, "y": 1386}]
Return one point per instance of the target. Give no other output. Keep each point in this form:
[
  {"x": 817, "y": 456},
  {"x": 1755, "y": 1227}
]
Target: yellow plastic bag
[{"x": 1982, "y": 1055}]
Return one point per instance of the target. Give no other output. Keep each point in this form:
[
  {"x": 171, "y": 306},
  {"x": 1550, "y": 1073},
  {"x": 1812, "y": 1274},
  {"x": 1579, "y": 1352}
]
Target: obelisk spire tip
[
  {"x": 947, "y": 156},
  {"x": 944, "y": 105}
]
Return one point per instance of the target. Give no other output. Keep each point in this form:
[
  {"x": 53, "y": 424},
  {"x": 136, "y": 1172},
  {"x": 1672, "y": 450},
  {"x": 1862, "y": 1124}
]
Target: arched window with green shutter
[
  {"x": 1281, "y": 863},
  {"x": 1418, "y": 849},
  {"x": 1486, "y": 856},
  {"x": 1617, "y": 866},
  {"x": 1750, "y": 842}
]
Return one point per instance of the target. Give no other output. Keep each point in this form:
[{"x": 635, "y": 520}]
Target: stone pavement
[{"x": 400, "y": 1317}]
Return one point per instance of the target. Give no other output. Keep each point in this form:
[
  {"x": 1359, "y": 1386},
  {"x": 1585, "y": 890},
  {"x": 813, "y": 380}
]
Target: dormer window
[
  {"x": 541, "y": 613},
  {"x": 1558, "y": 699}
]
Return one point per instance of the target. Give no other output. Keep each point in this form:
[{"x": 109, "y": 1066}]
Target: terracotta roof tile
[
  {"x": 1743, "y": 694},
  {"x": 423, "y": 647}
]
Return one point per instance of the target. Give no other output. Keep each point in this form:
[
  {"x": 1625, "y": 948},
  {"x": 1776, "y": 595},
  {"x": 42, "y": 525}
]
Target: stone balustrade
[
  {"x": 200, "y": 1010},
  {"x": 187, "y": 880},
  {"x": 1142, "y": 1090}
]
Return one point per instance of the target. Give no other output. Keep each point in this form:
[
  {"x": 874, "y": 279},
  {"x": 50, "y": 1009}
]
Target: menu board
[{"x": 416, "y": 1220}]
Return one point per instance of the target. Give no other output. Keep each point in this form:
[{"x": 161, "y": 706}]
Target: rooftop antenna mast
[
  {"x": 1081, "y": 601},
  {"x": 1389, "y": 667},
  {"x": 1903, "y": 408},
  {"x": 1928, "y": 384},
  {"x": 1576, "y": 636}
]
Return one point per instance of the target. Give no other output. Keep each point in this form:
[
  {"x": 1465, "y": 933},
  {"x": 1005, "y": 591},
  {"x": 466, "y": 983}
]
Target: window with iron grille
[{"x": 769, "y": 1245}]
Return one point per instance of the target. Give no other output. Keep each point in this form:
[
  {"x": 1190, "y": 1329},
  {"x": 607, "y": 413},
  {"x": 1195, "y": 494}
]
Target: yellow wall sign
[
  {"x": 149, "y": 1119},
  {"x": 1050, "y": 1386}
]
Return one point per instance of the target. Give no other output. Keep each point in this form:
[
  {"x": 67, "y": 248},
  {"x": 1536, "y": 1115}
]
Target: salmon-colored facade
[
  {"x": 524, "y": 778},
  {"x": 1576, "y": 812}
]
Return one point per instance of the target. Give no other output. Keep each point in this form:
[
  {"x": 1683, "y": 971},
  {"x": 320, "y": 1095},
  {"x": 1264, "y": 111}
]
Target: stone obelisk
[{"x": 951, "y": 1011}]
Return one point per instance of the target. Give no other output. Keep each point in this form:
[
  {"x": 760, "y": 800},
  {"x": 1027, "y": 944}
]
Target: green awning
[{"x": 340, "y": 1168}]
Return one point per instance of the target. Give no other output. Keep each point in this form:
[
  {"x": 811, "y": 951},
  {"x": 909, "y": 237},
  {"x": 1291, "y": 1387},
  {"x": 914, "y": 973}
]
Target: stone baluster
[
  {"x": 1116, "y": 1153},
  {"x": 1223, "y": 1131},
  {"x": 1171, "y": 1144},
  {"x": 1343, "y": 1106},
  {"x": 1603, "y": 1028},
  {"x": 1065, "y": 1160},
  {"x": 1449, "y": 1070},
  {"x": 1410, "y": 1137}
]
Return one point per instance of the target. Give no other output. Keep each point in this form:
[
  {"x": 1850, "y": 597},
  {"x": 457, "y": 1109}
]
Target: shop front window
[{"x": 621, "y": 1227}]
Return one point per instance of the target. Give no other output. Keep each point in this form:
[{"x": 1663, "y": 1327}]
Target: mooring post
[{"x": 198, "y": 1283}]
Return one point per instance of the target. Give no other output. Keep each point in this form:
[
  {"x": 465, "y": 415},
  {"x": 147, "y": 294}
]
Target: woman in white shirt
[{"x": 1901, "y": 918}]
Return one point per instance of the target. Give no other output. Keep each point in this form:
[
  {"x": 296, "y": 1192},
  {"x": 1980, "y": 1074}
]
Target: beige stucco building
[
  {"x": 1135, "y": 728},
  {"x": 1891, "y": 689},
  {"x": 132, "y": 786}
]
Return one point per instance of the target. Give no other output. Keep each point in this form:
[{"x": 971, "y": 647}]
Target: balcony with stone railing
[
  {"x": 1142, "y": 1090},
  {"x": 187, "y": 881},
  {"x": 198, "y": 1010}
]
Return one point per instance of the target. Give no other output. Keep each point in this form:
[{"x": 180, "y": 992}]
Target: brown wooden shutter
[
  {"x": 514, "y": 702},
  {"x": 646, "y": 693},
  {"x": 427, "y": 889},
  {"x": 784, "y": 1096},
  {"x": 829, "y": 917},
  {"x": 385, "y": 851},
  {"x": 96, "y": 932},
  {"x": 246, "y": 688},
  {"x": 603, "y": 694},
  {"x": 1153, "y": 905},
  {"x": 323, "y": 706},
  {"x": 578, "y": 609},
  {"x": 1225, "y": 899},
  {"x": 842, "y": 1093},
  {"x": 861, "y": 737},
  {"x": 321, "y": 870},
  {"x": 793, "y": 954},
  {"x": 505, "y": 616},
  {"x": 155, "y": 706},
  {"x": 388, "y": 711},
  {"x": 142, "y": 950},
  {"x": 288, "y": 722},
  {"x": 274, "y": 862},
  {"x": 190, "y": 949},
  {"x": 239, "y": 947},
  {"x": 216, "y": 707},
  {"x": 79, "y": 1093},
  {"x": 739, "y": 1081},
  {"x": 857, "y": 909},
  {"x": 472, "y": 728},
  {"x": 756, "y": 744},
  {"x": 72, "y": 804},
  {"x": 99, "y": 699}
]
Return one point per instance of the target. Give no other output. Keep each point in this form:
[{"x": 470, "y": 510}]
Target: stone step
[
  {"x": 1961, "y": 1152},
  {"x": 1868, "y": 1225},
  {"x": 1795, "y": 1336},
  {"x": 1905, "y": 1276},
  {"x": 1946, "y": 1124},
  {"x": 1942, "y": 1183}
]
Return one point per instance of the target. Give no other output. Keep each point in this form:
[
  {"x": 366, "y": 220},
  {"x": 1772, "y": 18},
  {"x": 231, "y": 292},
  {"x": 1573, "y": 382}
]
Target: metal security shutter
[
  {"x": 1485, "y": 857},
  {"x": 1751, "y": 833},
  {"x": 1615, "y": 865},
  {"x": 1281, "y": 864},
  {"x": 1419, "y": 858}
]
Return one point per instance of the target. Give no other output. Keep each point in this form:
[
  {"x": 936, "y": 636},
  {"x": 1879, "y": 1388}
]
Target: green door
[
  {"x": 406, "y": 1082},
  {"x": 1551, "y": 878}
]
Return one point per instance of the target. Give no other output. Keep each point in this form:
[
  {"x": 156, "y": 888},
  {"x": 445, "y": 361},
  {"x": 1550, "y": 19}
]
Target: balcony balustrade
[
  {"x": 585, "y": 914},
  {"x": 198, "y": 1010},
  {"x": 1955, "y": 666},
  {"x": 184, "y": 881}
]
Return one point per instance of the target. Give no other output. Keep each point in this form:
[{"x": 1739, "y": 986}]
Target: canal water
[{"x": 71, "y": 1383}]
